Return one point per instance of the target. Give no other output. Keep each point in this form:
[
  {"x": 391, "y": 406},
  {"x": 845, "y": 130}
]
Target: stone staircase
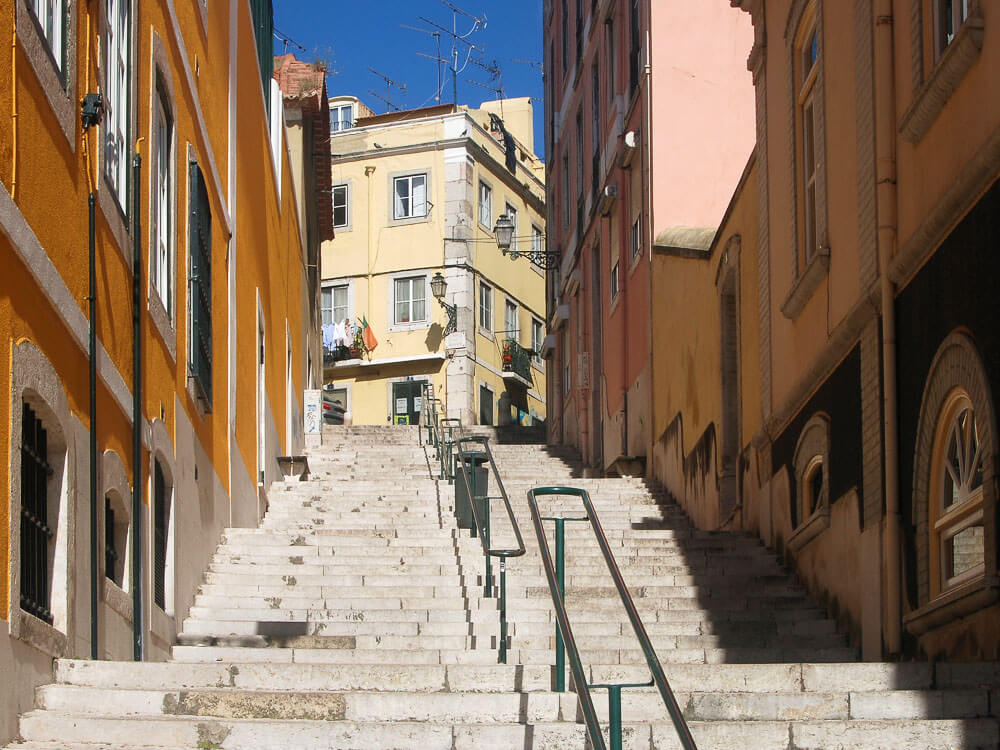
[{"x": 355, "y": 617}]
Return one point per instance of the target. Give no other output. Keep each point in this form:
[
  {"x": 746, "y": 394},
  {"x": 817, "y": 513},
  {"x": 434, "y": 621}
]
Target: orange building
[{"x": 184, "y": 163}]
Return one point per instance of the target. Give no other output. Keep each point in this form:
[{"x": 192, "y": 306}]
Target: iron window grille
[
  {"x": 36, "y": 535},
  {"x": 200, "y": 223},
  {"x": 159, "y": 536}
]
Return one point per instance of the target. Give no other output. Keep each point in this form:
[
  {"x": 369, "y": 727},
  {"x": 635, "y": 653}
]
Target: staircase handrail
[
  {"x": 583, "y": 687},
  {"x": 483, "y": 529}
]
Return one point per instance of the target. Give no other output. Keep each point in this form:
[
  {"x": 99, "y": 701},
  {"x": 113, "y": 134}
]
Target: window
[
  {"x": 36, "y": 532},
  {"x": 161, "y": 516},
  {"x": 341, "y": 117},
  {"x": 410, "y": 299},
  {"x": 409, "y": 196},
  {"x": 51, "y": 17},
  {"x": 335, "y": 303},
  {"x": 486, "y": 307},
  {"x": 951, "y": 14},
  {"x": 512, "y": 213},
  {"x": 161, "y": 264},
  {"x": 263, "y": 29},
  {"x": 807, "y": 121},
  {"x": 636, "y": 237},
  {"x": 118, "y": 75},
  {"x": 609, "y": 26},
  {"x": 341, "y": 217},
  {"x": 565, "y": 187},
  {"x": 200, "y": 283},
  {"x": 957, "y": 547},
  {"x": 614, "y": 280},
  {"x": 635, "y": 47},
  {"x": 115, "y": 539},
  {"x": 510, "y": 320},
  {"x": 810, "y": 503},
  {"x": 564, "y": 18},
  {"x": 537, "y": 241},
  {"x": 486, "y": 205},
  {"x": 579, "y": 169},
  {"x": 595, "y": 126},
  {"x": 536, "y": 341},
  {"x": 485, "y": 405},
  {"x": 564, "y": 353}
]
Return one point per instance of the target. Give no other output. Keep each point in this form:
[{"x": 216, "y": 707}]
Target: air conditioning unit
[
  {"x": 631, "y": 148},
  {"x": 608, "y": 196}
]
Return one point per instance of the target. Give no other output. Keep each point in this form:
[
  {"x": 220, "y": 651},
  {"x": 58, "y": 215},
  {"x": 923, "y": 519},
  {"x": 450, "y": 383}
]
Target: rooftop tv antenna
[
  {"x": 478, "y": 24},
  {"x": 389, "y": 83},
  {"x": 438, "y": 59}
]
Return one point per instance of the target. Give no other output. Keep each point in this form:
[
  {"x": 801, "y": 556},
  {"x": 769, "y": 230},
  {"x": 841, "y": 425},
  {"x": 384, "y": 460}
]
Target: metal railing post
[
  {"x": 561, "y": 582},
  {"x": 487, "y": 588},
  {"x": 615, "y": 716},
  {"x": 503, "y": 610}
]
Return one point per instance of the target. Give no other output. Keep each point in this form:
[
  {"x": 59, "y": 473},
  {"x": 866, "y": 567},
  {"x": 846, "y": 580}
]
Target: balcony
[{"x": 516, "y": 362}]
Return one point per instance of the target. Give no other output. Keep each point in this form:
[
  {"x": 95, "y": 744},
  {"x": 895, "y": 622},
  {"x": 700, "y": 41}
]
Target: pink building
[{"x": 650, "y": 120}]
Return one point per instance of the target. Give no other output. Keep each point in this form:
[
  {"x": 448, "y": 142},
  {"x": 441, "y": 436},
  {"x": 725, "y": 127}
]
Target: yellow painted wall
[{"x": 373, "y": 248}]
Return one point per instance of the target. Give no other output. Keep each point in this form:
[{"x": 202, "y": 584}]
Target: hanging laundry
[{"x": 329, "y": 335}]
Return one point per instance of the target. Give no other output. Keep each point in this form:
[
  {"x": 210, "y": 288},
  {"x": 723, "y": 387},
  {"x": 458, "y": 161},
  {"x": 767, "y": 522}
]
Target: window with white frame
[
  {"x": 807, "y": 122},
  {"x": 486, "y": 307},
  {"x": 957, "y": 549},
  {"x": 341, "y": 208},
  {"x": 510, "y": 321},
  {"x": 341, "y": 117},
  {"x": 409, "y": 299},
  {"x": 537, "y": 240},
  {"x": 162, "y": 253},
  {"x": 409, "y": 196},
  {"x": 951, "y": 14},
  {"x": 51, "y": 17},
  {"x": 485, "y": 205},
  {"x": 614, "y": 280},
  {"x": 118, "y": 75},
  {"x": 536, "y": 340},
  {"x": 335, "y": 303},
  {"x": 512, "y": 213},
  {"x": 636, "y": 238}
]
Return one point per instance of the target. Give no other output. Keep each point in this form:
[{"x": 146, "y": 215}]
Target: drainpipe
[
  {"x": 13, "y": 106},
  {"x": 90, "y": 114},
  {"x": 648, "y": 185},
  {"x": 885, "y": 129},
  {"x": 138, "y": 639}
]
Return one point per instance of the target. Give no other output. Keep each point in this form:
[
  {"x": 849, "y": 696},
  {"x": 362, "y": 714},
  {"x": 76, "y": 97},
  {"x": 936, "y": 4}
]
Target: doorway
[{"x": 406, "y": 402}]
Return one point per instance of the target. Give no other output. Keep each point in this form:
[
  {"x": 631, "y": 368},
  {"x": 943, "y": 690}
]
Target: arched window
[
  {"x": 810, "y": 511},
  {"x": 954, "y": 489},
  {"x": 957, "y": 551}
]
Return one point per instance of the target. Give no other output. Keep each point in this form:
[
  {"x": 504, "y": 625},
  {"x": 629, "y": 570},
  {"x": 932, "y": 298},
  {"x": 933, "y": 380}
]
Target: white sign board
[
  {"x": 312, "y": 412},
  {"x": 417, "y": 403},
  {"x": 401, "y": 406}
]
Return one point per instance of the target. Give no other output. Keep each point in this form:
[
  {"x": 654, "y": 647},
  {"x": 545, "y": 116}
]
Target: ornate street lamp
[
  {"x": 438, "y": 288},
  {"x": 504, "y": 231}
]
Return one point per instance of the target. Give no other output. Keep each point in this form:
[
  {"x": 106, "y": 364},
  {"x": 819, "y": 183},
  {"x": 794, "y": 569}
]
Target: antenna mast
[
  {"x": 438, "y": 59},
  {"x": 478, "y": 24},
  {"x": 389, "y": 83}
]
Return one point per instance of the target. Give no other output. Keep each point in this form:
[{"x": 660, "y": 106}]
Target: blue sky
[{"x": 355, "y": 36}]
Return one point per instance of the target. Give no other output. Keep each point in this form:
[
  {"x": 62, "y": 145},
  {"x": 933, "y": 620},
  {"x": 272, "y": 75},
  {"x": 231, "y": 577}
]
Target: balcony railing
[{"x": 516, "y": 359}]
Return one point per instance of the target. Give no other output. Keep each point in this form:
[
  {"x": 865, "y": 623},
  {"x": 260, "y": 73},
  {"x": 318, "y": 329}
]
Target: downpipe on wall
[
  {"x": 138, "y": 638},
  {"x": 885, "y": 129}
]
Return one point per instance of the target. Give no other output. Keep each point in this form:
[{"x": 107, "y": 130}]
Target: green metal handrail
[
  {"x": 556, "y": 578},
  {"x": 483, "y": 529},
  {"x": 446, "y": 456}
]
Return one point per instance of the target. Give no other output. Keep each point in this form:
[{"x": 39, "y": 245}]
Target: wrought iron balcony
[{"x": 517, "y": 359}]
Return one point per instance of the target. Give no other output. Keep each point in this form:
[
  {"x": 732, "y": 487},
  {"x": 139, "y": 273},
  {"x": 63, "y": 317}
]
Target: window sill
[
  {"x": 815, "y": 525},
  {"x": 60, "y": 95},
  {"x": 407, "y": 221},
  {"x": 419, "y": 325},
  {"x": 117, "y": 600},
  {"x": 486, "y": 334},
  {"x": 953, "y": 604},
  {"x": 162, "y": 323},
  {"x": 944, "y": 79},
  {"x": 804, "y": 286},
  {"x": 40, "y": 635}
]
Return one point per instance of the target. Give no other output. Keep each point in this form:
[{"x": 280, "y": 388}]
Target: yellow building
[
  {"x": 181, "y": 174},
  {"x": 416, "y": 195}
]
